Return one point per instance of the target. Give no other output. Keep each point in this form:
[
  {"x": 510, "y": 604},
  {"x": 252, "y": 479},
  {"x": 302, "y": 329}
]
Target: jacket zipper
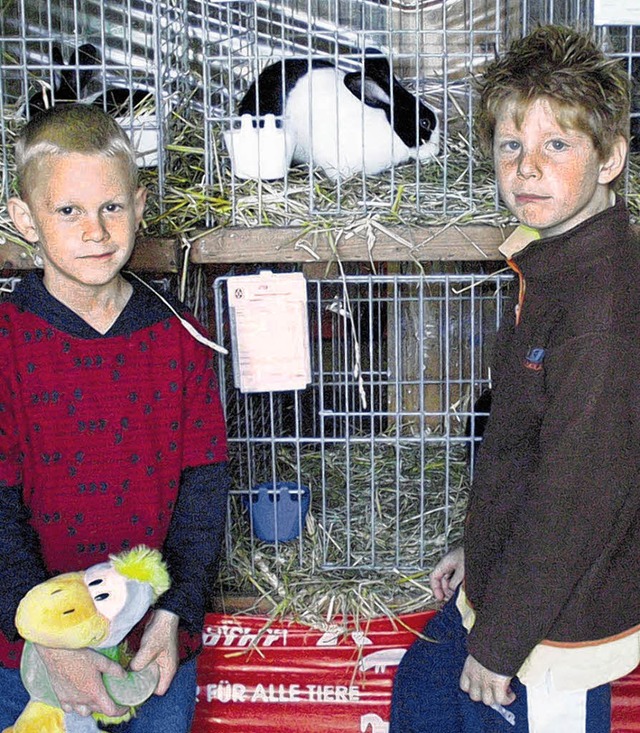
[{"x": 522, "y": 288}]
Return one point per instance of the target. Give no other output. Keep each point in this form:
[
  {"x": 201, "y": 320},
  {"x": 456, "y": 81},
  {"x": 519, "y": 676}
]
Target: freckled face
[
  {"x": 85, "y": 213},
  {"x": 550, "y": 178}
]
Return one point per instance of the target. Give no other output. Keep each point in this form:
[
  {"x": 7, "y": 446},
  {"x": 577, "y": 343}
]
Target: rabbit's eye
[{"x": 425, "y": 124}]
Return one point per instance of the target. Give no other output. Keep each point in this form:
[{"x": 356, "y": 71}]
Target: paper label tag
[{"x": 269, "y": 332}]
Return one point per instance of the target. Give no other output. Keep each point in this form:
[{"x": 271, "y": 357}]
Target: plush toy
[{"x": 93, "y": 609}]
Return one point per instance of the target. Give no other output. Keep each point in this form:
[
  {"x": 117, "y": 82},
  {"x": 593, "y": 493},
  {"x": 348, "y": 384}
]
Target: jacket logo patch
[{"x": 534, "y": 358}]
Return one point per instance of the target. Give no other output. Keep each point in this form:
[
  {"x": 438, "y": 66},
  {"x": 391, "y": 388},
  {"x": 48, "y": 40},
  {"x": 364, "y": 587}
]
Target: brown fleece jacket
[{"x": 552, "y": 538}]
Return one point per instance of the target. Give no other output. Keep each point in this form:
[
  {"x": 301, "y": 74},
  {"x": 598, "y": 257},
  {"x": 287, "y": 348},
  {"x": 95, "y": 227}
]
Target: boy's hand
[
  {"x": 483, "y": 685},
  {"x": 76, "y": 679},
  {"x": 447, "y": 574},
  {"x": 160, "y": 645}
]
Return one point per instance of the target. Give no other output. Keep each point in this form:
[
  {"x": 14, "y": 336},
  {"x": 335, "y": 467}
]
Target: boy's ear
[
  {"x": 612, "y": 167},
  {"x": 140, "y": 200},
  {"x": 22, "y": 218}
]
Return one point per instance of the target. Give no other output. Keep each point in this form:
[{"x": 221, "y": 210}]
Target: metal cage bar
[{"x": 387, "y": 478}]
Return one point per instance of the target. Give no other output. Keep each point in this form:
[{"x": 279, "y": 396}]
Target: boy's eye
[
  {"x": 113, "y": 208},
  {"x": 558, "y": 145},
  {"x": 66, "y": 210},
  {"x": 510, "y": 146}
]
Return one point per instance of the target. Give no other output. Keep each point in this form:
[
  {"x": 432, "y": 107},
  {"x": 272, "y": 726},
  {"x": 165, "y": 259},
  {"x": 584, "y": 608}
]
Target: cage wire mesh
[
  {"x": 128, "y": 57},
  {"x": 387, "y": 455},
  {"x": 180, "y": 69},
  {"x": 432, "y": 48}
]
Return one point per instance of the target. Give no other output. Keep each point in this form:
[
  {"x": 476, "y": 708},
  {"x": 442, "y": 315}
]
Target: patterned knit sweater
[{"x": 106, "y": 442}]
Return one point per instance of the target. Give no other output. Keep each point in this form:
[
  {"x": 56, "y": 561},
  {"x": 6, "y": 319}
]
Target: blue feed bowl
[{"x": 278, "y": 511}]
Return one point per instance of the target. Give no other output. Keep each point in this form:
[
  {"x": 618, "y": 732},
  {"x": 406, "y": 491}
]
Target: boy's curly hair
[{"x": 588, "y": 91}]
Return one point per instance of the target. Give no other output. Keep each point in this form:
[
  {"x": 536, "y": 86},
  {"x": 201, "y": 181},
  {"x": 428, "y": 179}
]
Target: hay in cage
[
  {"x": 411, "y": 194},
  {"x": 298, "y": 579}
]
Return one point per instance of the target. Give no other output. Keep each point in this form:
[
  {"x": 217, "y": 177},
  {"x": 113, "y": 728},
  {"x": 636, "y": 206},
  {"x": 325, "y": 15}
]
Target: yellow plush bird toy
[{"x": 93, "y": 609}]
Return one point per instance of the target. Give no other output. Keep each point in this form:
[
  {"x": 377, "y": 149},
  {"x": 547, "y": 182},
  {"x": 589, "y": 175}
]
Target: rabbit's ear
[
  {"x": 376, "y": 64},
  {"x": 87, "y": 55},
  {"x": 74, "y": 78},
  {"x": 66, "y": 90},
  {"x": 57, "y": 59},
  {"x": 367, "y": 89}
]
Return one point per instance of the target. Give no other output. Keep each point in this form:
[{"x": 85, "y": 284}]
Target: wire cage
[
  {"x": 386, "y": 450},
  {"x": 175, "y": 73},
  {"x": 127, "y": 57},
  {"x": 434, "y": 49}
]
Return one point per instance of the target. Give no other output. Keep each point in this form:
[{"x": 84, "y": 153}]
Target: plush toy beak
[
  {"x": 61, "y": 613},
  {"x": 121, "y": 600}
]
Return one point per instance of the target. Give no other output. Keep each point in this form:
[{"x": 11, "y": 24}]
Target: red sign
[{"x": 261, "y": 677}]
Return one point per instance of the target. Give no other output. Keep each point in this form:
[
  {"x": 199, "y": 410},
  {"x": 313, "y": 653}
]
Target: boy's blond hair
[
  {"x": 588, "y": 91},
  {"x": 70, "y": 128}
]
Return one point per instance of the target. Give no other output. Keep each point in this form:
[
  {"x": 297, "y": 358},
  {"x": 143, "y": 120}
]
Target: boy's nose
[
  {"x": 94, "y": 229},
  {"x": 528, "y": 166}
]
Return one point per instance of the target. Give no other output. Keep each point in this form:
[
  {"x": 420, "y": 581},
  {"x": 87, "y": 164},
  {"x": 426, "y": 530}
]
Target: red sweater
[{"x": 103, "y": 436}]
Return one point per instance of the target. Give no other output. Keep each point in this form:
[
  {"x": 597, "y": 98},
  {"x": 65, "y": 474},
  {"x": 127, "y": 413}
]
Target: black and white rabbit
[
  {"x": 345, "y": 122},
  {"x": 69, "y": 80},
  {"x": 72, "y": 82},
  {"x": 116, "y": 100}
]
